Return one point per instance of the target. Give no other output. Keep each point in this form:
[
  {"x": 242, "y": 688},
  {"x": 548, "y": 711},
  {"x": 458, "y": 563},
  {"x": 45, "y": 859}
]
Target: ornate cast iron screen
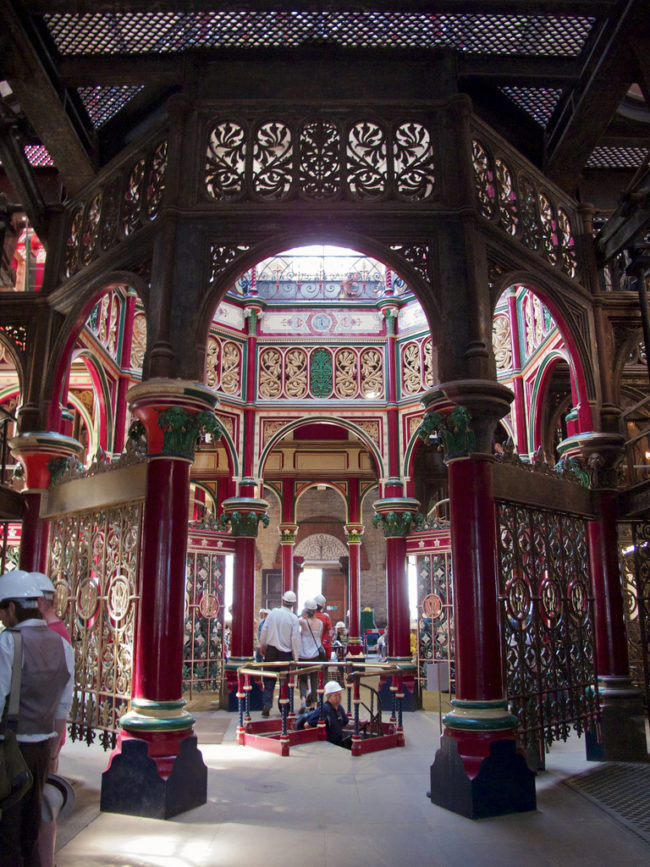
[
  {"x": 636, "y": 593},
  {"x": 203, "y": 646},
  {"x": 547, "y": 623},
  {"x": 95, "y": 567},
  {"x": 436, "y": 618}
]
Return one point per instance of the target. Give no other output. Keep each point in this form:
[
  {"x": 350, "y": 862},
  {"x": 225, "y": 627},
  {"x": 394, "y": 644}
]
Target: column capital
[
  {"x": 244, "y": 514},
  {"x": 397, "y": 515},
  {"x": 464, "y": 414},
  {"x": 601, "y": 454},
  {"x": 174, "y": 412},
  {"x": 353, "y": 533},
  {"x": 287, "y": 532},
  {"x": 44, "y": 455}
]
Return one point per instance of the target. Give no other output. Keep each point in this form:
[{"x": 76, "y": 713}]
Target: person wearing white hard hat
[
  {"x": 336, "y": 719},
  {"x": 279, "y": 641},
  {"x": 46, "y": 605},
  {"x": 326, "y": 620},
  {"x": 47, "y": 682},
  {"x": 311, "y": 637}
]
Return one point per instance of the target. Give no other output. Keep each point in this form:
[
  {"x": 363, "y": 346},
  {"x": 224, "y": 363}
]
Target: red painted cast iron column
[
  {"x": 288, "y": 529},
  {"x": 43, "y": 456},
  {"x": 477, "y": 771},
  {"x": 174, "y": 413},
  {"x": 354, "y": 531},
  {"x": 622, "y": 728}
]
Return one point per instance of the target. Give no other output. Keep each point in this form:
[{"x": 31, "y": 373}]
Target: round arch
[
  {"x": 63, "y": 346},
  {"x": 102, "y": 393},
  {"x": 244, "y": 257},
  {"x": 540, "y": 385},
  {"x": 576, "y": 340},
  {"x": 296, "y": 423},
  {"x": 337, "y": 488}
]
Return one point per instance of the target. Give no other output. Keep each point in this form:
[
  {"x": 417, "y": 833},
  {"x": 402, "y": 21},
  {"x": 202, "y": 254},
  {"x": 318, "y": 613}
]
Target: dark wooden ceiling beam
[
  {"x": 116, "y": 70},
  {"x": 495, "y": 7},
  {"x": 40, "y": 101},
  {"x": 585, "y": 113}
]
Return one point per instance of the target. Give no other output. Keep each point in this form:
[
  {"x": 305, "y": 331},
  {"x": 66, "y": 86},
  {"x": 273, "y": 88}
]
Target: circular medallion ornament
[
  {"x": 118, "y": 597},
  {"x": 321, "y": 322},
  {"x": 87, "y": 598},
  {"x": 432, "y": 606},
  {"x": 551, "y": 599},
  {"x": 519, "y": 598},
  {"x": 578, "y": 600},
  {"x": 209, "y": 606}
]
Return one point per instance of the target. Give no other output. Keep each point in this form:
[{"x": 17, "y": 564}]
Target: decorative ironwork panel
[
  {"x": 529, "y": 219},
  {"x": 548, "y": 228},
  {"x": 95, "y": 567},
  {"x": 366, "y": 161},
  {"x": 436, "y": 613},
  {"x": 203, "y": 646},
  {"x": 321, "y": 373},
  {"x": 345, "y": 374},
  {"x": 508, "y": 216},
  {"x": 319, "y": 171},
  {"x": 155, "y": 185},
  {"x": 225, "y": 161},
  {"x": 132, "y": 199},
  {"x": 372, "y": 374},
  {"x": 567, "y": 244},
  {"x": 484, "y": 179},
  {"x": 547, "y": 623},
  {"x": 413, "y": 162},
  {"x": 636, "y": 591},
  {"x": 73, "y": 244},
  {"x": 296, "y": 373},
  {"x": 272, "y": 161},
  {"x": 90, "y": 230}
]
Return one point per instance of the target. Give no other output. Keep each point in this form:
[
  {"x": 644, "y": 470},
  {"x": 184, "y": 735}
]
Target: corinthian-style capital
[
  {"x": 464, "y": 414},
  {"x": 244, "y": 515},
  {"x": 397, "y": 515},
  {"x": 599, "y": 453},
  {"x": 174, "y": 413}
]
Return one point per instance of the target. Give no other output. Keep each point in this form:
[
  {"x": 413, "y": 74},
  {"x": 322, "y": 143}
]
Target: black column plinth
[
  {"x": 132, "y": 785},
  {"x": 504, "y": 784}
]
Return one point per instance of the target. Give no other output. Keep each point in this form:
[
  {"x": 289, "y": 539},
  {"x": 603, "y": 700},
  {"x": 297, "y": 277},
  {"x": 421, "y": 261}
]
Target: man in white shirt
[
  {"x": 279, "y": 641},
  {"x": 47, "y": 682}
]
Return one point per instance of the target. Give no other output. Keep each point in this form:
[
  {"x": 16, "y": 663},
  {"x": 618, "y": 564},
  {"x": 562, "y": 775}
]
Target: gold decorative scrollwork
[
  {"x": 501, "y": 342},
  {"x": 270, "y": 380},
  {"x": 231, "y": 368},
  {"x": 345, "y": 377},
  {"x": 139, "y": 344},
  {"x": 212, "y": 362},
  {"x": 411, "y": 368},
  {"x": 372, "y": 377},
  {"x": 296, "y": 373},
  {"x": 427, "y": 353}
]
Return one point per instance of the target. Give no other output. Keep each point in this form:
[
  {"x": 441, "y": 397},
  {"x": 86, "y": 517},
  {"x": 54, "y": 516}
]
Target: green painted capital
[
  {"x": 244, "y": 515},
  {"x": 181, "y": 430},
  {"x": 453, "y": 429},
  {"x": 58, "y": 467},
  {"x": 398, "y": 523}
]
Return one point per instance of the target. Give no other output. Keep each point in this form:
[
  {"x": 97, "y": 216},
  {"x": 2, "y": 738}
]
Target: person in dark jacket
[{"x": 336, "y": 719}]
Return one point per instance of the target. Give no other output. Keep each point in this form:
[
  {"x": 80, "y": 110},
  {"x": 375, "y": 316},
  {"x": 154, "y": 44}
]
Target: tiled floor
[{"x": 320, "y": 806}]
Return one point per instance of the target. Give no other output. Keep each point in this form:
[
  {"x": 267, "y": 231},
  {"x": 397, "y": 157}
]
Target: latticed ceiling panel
[
  {"x": 103, "y": 102},
  {"x": 617, "y": 158},
  {"x": 37, "y": 155},
  {"x": 170, "y": 32},
  {"x": 538, "y": 102}
]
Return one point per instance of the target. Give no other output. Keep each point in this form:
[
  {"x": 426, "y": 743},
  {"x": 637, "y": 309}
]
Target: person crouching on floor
[{"x": 336, "y": 719}]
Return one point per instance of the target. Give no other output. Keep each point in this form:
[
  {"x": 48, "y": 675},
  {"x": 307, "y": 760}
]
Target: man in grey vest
[{"x": 47, "y": 681}]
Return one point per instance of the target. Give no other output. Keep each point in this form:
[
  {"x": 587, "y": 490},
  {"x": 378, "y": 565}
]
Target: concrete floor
[{"x": 322, "y": 808}]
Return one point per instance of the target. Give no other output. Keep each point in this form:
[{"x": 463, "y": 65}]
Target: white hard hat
[
  {"x": 332, "y": 686},
  {"x": 44, "y": 583},
  {"x": 339, "y": 625},
  {"x": 310, "y": 605},
  {"x": 20, "y": 585},
  {"x": 320, "y": 600},
  {"x": 289, "y": 596}
]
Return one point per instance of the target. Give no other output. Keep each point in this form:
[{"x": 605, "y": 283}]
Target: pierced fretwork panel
[
  {"x": 548, "y": 623},
  {"x": 94, "y": 565},
  {"x": 203, "y": 646},
  {"x": 436, "y": 614},
  {"x": 636, "y": 592}
]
